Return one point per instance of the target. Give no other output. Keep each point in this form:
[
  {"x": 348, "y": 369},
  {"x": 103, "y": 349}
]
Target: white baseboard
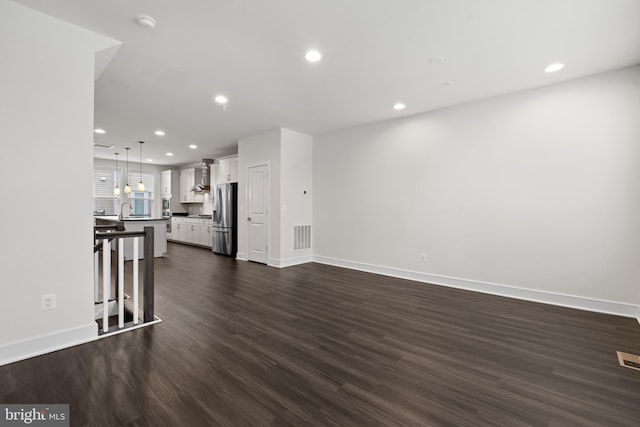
[
  {"x": 155, "y": 320},
  {"x": 289, "y": 262},
  {"x": 240, "y": 256},
  {"x": 35, "y": 346},
  {"x": 572, "y": 301}
]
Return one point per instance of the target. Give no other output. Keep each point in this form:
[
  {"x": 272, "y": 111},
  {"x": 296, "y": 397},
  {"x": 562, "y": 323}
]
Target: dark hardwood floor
[{"x": 242, "y": 344}]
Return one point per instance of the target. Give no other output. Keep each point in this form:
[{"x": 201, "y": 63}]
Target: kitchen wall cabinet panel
[
  {"x": 170, "y": 183},
  {"x": 165, "y": 183},
  {"x": 189, "y": 178},
  {"x": 215, "y": 174},
  {"x": 228, "y": 170}
]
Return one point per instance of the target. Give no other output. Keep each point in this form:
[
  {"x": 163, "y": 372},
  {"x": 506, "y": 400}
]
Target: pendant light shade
[
  {"x": 141, "y": 184},
  {"x": 127, "y": 188},
  {"x": 116, "y": 189}
]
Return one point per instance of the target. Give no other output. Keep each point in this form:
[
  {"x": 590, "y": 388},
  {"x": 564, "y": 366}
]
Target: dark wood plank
[{"x": 244, "y": 344}]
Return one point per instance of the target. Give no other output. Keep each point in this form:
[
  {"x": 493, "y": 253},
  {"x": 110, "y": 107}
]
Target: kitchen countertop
[
  {"x": 159, "y": 226},
  {"x": 129, "y": 218}
]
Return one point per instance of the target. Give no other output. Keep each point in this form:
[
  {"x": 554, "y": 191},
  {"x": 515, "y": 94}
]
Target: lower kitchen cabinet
[
  {"x": 205, "y": 233},
  {"x": 194, "y": 231}
]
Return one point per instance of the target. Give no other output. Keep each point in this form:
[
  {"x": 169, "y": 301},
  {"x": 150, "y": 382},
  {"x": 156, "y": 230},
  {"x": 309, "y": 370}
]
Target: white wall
[
  {"x": 537, "y": 190},
  {"x": 252, "y": 151},
  {"x": 289, "y": 156},
  {"x": 46, "y": 114},
  {"x": 296, "y": 192}
]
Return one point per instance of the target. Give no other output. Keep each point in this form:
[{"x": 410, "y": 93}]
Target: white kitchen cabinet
[
  {"x": 165, "y": 183},
  {"x": 195, "y": 231},
  {"x": 178, "y": 229},
  {"x": 205, "y": 232},
  {"x": 228, "y": 170},
  {"x": 169, "y": 183},
  {"x": 189, "y": 178},
  {"x": 215, "y": 174}
]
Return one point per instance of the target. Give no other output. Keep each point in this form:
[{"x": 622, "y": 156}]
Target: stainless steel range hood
[{"x": 206, "y": 172}]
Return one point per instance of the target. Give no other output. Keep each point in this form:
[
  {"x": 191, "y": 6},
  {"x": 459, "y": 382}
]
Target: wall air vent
[
  {"x": 627, "y": 360},
  {"x": 106, "y": 147},
  {"x": 301, "y": 237}
]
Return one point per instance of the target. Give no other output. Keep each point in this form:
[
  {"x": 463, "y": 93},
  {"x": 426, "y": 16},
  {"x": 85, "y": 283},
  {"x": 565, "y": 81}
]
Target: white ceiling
[{"x": 375, "y": 53}]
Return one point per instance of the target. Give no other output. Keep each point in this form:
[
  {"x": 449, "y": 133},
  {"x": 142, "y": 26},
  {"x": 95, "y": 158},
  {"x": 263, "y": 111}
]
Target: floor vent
[
  {"x": 301, "y": 237},
  {"x": 630, "y": 361}
]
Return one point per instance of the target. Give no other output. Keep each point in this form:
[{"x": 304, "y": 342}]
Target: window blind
[
  {"x": 104, "y": 201},
  {"x": 103, "y": 182},
  {"x": 148, "y": 179}
]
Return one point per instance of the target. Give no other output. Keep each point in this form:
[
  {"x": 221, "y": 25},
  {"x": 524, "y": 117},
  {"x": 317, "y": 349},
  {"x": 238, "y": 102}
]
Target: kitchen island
[{"x": 138, "y": 224}]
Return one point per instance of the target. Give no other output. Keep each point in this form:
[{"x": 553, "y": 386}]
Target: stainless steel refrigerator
[{"x": 225, "y": 219}]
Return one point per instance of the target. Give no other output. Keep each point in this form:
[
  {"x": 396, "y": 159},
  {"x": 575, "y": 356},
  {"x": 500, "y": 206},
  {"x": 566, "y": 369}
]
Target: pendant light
[
  {"x": 116, "y": 189},
  {"x": 141, "y": 184},
  {"x": 127, "y": 188}
]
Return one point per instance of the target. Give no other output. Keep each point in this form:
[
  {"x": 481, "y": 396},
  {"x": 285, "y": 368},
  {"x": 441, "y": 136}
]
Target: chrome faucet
[{"x": 130, "y": 209}]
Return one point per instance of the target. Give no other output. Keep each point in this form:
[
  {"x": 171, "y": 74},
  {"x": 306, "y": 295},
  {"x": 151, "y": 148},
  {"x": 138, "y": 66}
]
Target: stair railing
[{"x": 104, "y": 236}]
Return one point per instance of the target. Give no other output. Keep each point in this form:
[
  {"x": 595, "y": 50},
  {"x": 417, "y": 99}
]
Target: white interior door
[{"x": 257, "y": 213}]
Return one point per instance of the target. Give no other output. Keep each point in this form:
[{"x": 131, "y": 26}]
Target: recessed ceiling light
[
  {"x": 169, "y": 154},
  {"x": 436, "y": 60},
  {"x": 399, "y": 106},
  {"x": 98, "y": 130},
  {"x": 313, "y": 56},
  {"x": 553, "y": 68},
  {"x": 159, "y": 133},
  {"x": 221, "y": 99},
  {"x": 146, "y": 21},
  {"x": 193, "y": 146}
]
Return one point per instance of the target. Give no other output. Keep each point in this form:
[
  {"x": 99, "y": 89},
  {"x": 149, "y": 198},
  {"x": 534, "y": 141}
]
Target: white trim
[
  {"x": 155, "y": 320},
  {"x": 266, "y": 163},
  {"x": 571, "y": 301},
  {"x": 36, "y": 346},
  {"x": 289, "y": 262},
  {"x": 241, "y": 256},
  {"x": 32, "y": 347}
]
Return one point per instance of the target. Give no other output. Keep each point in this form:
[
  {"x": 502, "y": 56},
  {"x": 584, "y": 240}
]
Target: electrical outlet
[
  {"x": 48, "y": 302},
  {"x": 424, "y": 257}
]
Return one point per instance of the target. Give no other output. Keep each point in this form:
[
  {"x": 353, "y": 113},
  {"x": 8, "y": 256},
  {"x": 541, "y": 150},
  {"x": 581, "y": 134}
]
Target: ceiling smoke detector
[{"x": 146, "y": 21}]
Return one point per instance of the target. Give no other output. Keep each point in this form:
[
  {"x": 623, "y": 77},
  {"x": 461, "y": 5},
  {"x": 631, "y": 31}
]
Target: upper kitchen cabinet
[
  {"x": 188, "y": 179},
  {"x": 228, "y": 170},
  {"x": 170, "y": 183},
  {"x": 215, "y": 174}
]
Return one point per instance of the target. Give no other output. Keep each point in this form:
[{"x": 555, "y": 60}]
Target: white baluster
[
  {"x": 121, "y": 283},
  {"x": 135, "y": 280},
  {"x": 96, "y": 276},
  {"x": 106, "y": 283}
]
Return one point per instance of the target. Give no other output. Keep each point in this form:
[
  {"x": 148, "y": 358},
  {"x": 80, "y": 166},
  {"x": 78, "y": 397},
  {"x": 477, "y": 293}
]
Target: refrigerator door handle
[{"x": 216, "y": 205}]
